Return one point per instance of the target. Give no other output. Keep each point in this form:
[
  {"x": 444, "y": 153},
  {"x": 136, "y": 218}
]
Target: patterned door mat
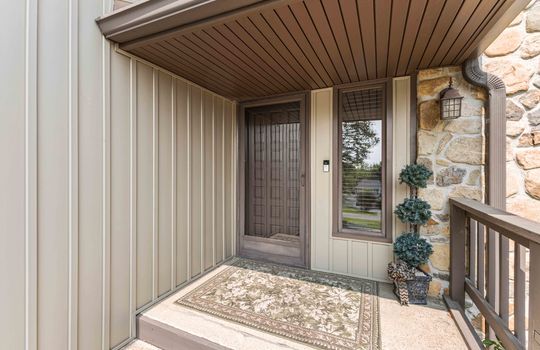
[{"x": 323, "y": 310}]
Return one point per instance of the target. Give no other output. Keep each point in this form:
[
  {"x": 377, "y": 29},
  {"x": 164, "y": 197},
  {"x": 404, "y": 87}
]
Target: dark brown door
[{"x": 274, "y": 222}]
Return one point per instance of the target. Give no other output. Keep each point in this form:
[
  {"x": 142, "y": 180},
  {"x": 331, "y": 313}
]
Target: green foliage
[
  {"x": 414, "y": 211},
  {"x": 359, "y": 138},
  {"x": 412, "y": 249},
  {"x": 415, "y": 175},
  {"x": 496, "y": 344}
]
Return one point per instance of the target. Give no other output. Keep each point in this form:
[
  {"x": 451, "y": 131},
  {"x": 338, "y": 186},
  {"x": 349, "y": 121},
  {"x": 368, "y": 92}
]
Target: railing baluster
[
  {"x": 519, "y": 292},
  {"x": 492, "y": 295},
  {"x": 504, "y": 277},
  {"x": 458, "y": 222},
  {"x": 482, "y": 259},
  {"x": 534, "y": 296},
  {"x": 473, "y": 239}
]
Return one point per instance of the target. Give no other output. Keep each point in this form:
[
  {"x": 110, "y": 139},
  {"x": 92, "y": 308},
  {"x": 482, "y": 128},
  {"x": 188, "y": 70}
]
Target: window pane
[{"x": 361, "y": 160}]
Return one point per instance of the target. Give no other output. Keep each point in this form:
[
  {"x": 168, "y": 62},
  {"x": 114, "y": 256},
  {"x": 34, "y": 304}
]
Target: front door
[{"x": 274, "y": 183}]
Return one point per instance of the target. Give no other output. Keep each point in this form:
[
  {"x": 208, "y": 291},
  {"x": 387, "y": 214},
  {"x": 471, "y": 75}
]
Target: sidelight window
[{"x": 361, "y": 153}]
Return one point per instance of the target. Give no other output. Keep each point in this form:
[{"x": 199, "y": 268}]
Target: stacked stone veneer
[
  {"x": 454, "y": 151},
  {"x": 515, "y": 57}
]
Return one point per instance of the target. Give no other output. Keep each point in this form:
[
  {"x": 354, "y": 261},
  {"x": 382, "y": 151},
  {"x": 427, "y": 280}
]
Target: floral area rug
[{"x": 323, "y": 310}]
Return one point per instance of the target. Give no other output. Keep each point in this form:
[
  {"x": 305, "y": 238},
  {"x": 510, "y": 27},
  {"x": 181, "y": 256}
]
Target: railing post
[
  {"x": 534, "y": 297},
  {"x": 457, "y": 254}
]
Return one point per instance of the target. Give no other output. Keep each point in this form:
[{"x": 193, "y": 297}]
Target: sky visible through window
[{"x": 375, "y": 154}]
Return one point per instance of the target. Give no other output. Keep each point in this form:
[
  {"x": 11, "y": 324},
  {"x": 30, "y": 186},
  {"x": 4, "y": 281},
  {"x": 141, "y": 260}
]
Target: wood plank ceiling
[{"x": 302, "y": 45}]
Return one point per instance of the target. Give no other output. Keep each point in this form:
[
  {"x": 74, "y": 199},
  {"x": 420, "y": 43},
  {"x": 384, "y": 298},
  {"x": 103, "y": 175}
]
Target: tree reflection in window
[{"x": 361, "y": 160}]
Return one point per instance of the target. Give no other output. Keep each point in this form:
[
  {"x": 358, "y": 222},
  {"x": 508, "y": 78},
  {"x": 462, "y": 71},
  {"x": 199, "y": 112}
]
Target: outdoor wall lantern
[{"x": 450, "y": 102}]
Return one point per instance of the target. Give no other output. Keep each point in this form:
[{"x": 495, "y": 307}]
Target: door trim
[{"x": 305, "y": 190}]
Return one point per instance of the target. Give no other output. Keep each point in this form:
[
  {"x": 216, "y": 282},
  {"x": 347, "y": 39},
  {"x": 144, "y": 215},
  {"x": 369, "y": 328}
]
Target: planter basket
[{"x": 416, "y": 289}]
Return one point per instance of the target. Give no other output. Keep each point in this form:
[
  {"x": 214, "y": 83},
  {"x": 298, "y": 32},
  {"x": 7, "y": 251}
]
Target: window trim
[{"x": 387, "y": 171}]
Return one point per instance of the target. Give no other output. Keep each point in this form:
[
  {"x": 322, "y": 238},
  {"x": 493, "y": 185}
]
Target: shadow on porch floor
[{"x": 413, "y": 327}]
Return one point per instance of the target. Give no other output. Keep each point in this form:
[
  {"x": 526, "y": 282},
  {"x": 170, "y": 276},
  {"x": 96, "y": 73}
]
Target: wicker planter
[{"x": 417, "y": 288}]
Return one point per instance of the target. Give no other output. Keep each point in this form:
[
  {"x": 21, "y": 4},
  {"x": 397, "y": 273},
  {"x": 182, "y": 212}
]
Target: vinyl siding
[
  {"x": 108, "y": 161},
  {"x": 352, "y": 257}
]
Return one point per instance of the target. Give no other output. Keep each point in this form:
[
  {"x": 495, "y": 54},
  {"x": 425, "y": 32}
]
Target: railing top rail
[{"x": 502, "y": 221}]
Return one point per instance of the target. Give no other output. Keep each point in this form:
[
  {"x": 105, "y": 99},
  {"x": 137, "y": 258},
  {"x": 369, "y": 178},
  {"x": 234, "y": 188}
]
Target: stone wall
[
  {"x": 453, "y": 150},
  {"x": 515, "y": 57}
]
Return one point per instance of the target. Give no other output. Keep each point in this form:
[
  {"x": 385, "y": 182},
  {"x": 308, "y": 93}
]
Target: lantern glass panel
[{"x": 451, "y": 108}]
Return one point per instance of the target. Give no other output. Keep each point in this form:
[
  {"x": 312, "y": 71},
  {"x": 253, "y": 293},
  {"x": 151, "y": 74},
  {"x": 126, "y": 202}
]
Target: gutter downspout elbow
[{"x": 495, "y": 131}]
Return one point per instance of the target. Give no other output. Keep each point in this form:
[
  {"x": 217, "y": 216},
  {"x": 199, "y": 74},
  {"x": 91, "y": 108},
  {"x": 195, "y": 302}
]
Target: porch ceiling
[{"x": 249, "y": 48}]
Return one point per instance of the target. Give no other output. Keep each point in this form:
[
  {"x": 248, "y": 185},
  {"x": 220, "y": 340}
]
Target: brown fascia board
[
  {"x": 150, "y": 21},
  {"x": 138, "y": 15},
  {"x": 152, "y": 17}
]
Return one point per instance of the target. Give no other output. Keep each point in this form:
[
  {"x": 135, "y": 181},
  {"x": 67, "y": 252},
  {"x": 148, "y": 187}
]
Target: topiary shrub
[
  {"x": 414, "y": 211},
  {"x": 412, "y": 249},
  {"x": 415, "y": 175}
]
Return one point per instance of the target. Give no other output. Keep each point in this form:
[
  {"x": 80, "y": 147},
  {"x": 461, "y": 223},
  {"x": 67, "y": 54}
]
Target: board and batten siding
[
  {"x": 117, "y": 180},
  {"x": 360, "y": 258}
]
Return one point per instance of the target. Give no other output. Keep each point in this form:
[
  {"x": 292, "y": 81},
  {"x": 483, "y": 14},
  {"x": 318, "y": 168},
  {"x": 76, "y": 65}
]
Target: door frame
[{"x": 305, "y": 199}]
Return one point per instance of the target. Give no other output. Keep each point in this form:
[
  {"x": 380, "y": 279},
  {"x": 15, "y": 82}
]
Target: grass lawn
[
  {"x": 357, "y": 211},
  {"x": 362, "y": 223}
]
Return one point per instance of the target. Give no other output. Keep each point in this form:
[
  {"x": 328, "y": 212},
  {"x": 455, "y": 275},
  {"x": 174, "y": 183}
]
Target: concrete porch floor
[{"x": 402, "y": 327}]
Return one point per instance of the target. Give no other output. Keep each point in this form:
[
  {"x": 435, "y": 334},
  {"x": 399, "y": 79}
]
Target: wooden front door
[{"x": 273, "y": 152}]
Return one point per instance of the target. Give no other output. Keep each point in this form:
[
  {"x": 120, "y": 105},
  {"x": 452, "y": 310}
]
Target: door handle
[{"x": 303, "y": 180}]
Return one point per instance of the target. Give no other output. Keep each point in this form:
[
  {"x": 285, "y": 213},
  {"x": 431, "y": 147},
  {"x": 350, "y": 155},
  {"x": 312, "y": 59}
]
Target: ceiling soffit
[{"x": 251, "y": 48}]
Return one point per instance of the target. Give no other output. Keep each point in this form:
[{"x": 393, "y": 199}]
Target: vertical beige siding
[
  {"x": 401, "y": 138},
  {"x": 195, "y": 168},
  {"x": 144, "y": 190},
  {"x": 321, "y": 182},
  {"x": 119, "y": 173},
  {"x": 208, "y": 180},
  {"x": 183, "y": 199},
  {"x": 165, "y": 184},
  {"x": 118, "y": 180},
  {"x": 14, "y": 124},
  {"x": 219, "y": 181},
  {"x": 229, "y": 158},
  {"x": 352, "y": 257},
  {"x": 54, "y": 174}
]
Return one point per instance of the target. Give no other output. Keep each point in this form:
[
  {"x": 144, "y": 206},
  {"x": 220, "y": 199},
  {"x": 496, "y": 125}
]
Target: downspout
[{"x": 495, "y": 132}]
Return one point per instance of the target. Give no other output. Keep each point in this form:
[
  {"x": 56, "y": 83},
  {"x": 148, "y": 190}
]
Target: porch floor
[{"x": 401, "y": 327}]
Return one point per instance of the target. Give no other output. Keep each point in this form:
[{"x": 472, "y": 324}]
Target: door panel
[{"x": 274, "y": 172}]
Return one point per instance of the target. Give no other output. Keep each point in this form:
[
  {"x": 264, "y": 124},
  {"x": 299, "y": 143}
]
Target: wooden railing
[{"x": 495, "y": 260}]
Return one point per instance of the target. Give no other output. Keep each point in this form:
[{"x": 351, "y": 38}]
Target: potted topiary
[{"x": 410, "y": 283}]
